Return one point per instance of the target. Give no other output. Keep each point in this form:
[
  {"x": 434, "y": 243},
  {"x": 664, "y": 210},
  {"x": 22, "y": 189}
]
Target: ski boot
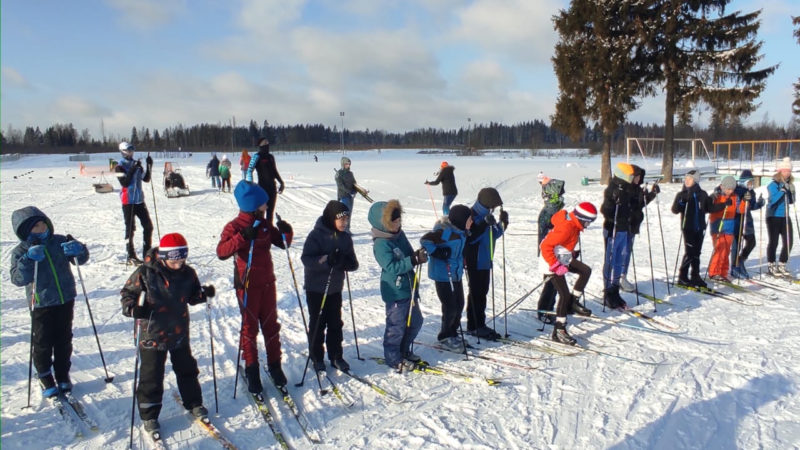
[
  {"x": 560, "y": 334},
  {"x": 318, "y": 365},
  {"x": 49, "y": 388},
  {"x": 781, "y": 269},
  {"x": 452, "y": 344},
  {"x": 200, "y": 412},
  {"x": 626, "y": 285},
  {"x": 698, "y": 282},
  {"x": 275, "y": 371},
  {"x": 612, "y": 299},
  {"x": 577, "y": 308},
  {"x": 153, "y": 428},
  {"x": 253, "y": 379},
  {"x": 341, "y": 364}
]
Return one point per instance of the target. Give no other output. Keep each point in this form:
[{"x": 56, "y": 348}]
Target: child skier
[
  {"x": 225, "y": 173},
  {"x": 723, "y": 210},
  {"x": 639, "y": 201},
  {"x": 445, "y": 245},
  {"x": 263, "y": 163},
  {"x": 449, "y": 189},
  {"x": 779, "y": 225},
  {"x": 169, "y": 285},
  {"x": 558, "y": 251},
  {"x": 553, "y": 196},
  {"x": 397, "y": 259},
  {"x": 249, "y": 237},
  {"x": 692, "y": 203},
  {"x": 478, "y": 258},
  {"x": 41, "y": 263},
  {"x": 617, "y": 208},
  {"x": 746, "y": 231},
  {"x": 327, "y": 254}
]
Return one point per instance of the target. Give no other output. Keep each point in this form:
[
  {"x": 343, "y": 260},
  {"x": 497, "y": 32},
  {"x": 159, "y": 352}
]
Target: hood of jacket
[
  {"x": 380, "y": 216},
  {"x": 22, "y": 220}
]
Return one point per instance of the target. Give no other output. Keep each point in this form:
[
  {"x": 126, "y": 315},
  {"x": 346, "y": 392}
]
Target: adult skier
[
  {"x": 263, "y": 163},
  {"x": 449, "y": 189},
  {"x": 131, "y": 175}
]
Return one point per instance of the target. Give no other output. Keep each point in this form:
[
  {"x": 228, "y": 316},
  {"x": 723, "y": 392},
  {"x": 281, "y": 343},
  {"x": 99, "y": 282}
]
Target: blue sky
[{"x": 389, "y": 64}]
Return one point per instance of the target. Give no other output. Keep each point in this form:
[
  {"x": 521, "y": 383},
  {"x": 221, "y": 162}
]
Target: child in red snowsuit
[
  {"x": 249, "y": 236},
  {"x": 722, "y": 222}
]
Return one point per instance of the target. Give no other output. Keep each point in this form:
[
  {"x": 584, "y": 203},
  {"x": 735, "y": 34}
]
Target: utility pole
[
  {"x": 469, "y": 132},
  {"x": 341, "y": 132}
]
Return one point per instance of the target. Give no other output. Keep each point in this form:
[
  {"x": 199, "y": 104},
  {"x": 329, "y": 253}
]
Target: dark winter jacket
[
  {"x": 322, "y": 241},
  {"x": 131, "y": 175},
  {"x": 618, "y": 203},
  {"x": 392, "y": 252},
  {"x": 167, "y": 293},
  {"x": 263, "y": 163},
  {"x": 553, "y": 196},
  {"x": 231, "y": 242},
  {"x": 640, "y": 199},
  {"x": 478, "y": 252},
  {"x": 345, "y": 183},
  {"x": 212, "y": 168},
  {"x": 448, "y": 180},
  {"x": 695, "y": 203},
  {"x": 753, "y": 204},
  {"x": 445, "y": 235},
  {"x": 55, "y": 284}
]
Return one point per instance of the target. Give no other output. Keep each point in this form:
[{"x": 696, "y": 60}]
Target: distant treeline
[{"x": 64, "y": 138}]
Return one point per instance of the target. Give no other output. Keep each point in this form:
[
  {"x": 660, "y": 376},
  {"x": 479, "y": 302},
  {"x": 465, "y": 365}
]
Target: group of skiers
[
  {"x": 220, "y": 172},
  {"x": 157, "y": 294}
]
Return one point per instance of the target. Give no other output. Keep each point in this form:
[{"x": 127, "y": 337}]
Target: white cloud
[
  {"x": 12, "y": 77},
  {"x": 147, "y": 14},
  {"x": 72, "y": 107}
]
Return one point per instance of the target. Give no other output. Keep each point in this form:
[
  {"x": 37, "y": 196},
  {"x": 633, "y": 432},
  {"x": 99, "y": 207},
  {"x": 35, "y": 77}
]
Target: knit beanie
[
  {"x": 693, "y": 175},
  {"x": 444, "y": 164},
  {"x": 785, "y": 163},
  {"x": 459, "y": 215},
  {"x": 728, "y": 183},
  {"x": 624, "y": 171},
  {"x": 585, "y": 211},
  {"x": 489, "y": 198},
  {"x": 334, "y": 210},
  {"x": 746, "y": 175},
  {"x": 249, "y": 196},
  {"x": 345, "y": 160},
  {"x": 173, "y": 246}
]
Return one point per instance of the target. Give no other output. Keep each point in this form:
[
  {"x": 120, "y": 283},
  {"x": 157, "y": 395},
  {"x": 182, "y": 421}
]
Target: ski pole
[
  {"x": 155, "y": 207},
  {"x": 107, "y": 379},
  {"x": 788, "y": 230},
  {"x": 313, "y": 337},
  {"x": 635, "y": 279},
  {"x": 137, "y": 336},
  {"x": 471, "y": 308},
  {"x": 760, "y": 240},
  {"x": 453, "y": 292},
  {"x": 213, "y": 365},
  {"x": 352, "y": 315},
  {"x": 680, "y": 240},
  {"x": 491, "y": 273},
  {"x": 663, "y": 244},
  {"x": 650, "y": 250},
  {"x": 294, "y": 277},
  {"x": 742, "y": 219},
  {"x": 30, "y": 309},
  {"x": 433, "y": 203},
  {"x": 505, "y": 303},
  {"x": 609, "y": 256},
  {"x": 246, "y": 284},
  {"x": 580, "y": 258}
]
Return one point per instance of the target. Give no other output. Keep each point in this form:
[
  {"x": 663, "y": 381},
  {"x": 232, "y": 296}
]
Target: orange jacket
[
  {"x": 722, "y": 220},
  {"x": 566, "y": 228}
]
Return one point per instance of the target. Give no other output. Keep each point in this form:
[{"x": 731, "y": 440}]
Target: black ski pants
[
  {"x": 151, "y": 380},
  {"x": 452, "y": 300},
  {"x": 776, "y": 230},
  {"x": 747, "y": 247},
  {"x": 560, "y": 283},
  {"x": 476, "y": 305},
  {"x": 139, "y": 210},
  {"x": 52, "y": 340},
  {"x": 692, "y": 246},
  {"x": 331, "y": 319}
]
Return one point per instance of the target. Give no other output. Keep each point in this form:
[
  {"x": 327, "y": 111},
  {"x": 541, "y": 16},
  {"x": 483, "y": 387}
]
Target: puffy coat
[
  {"x": 55, "y": 284},
  {"x": 444, "y": 234},
  {"x": 722, "y": 219},
  {"x": 345, "y": 183},
  {"x": 478, "y": 251},
  {"x": 777, "y": 199},
  {"x": 566, "y": 231},
  {"x": 639, "y": 201},
  {"x": 448, "y": 180},
  {"x": 323, "y": 240},
  {"x": 231, "y": 242},
  {"x": 131, "y": 176},
  {"x": 392, "y": 252},
  {"x": 753, "y": 204},
  {"x": 618, "y": 204},
  {"x": 167, "y": 293},
  {"x": 212, "y": 168},
  {"x": 695, "y": 209}
]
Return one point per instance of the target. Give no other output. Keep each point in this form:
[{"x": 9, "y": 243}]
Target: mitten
[
  {"x": 36, "y": 252},
  {"x": 504, "y": 218},
  {"x": 284, "y": 227},
  {"x": 559, "y": 269},
  {"x": 209, "y": 291},
  {"x": 420, "y": 256},
  {"x": 72, "y": 248},
  {"x": 441, "y": 253},
  {"x": 490, "y": 219},
  {"x": 249, "y": 233}
]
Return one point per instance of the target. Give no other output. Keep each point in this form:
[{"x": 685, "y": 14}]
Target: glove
[
  {"x": 36, "y": 253},
  {"x": 131, "y": 309},
  {"x": 747, "y": 196},
  {"x": 249, "y": 233},
  {"x": 504, "y": 218},
  {"x": 655, "y": 189},
  {"x": 684, "y": 196},
  {"x": 334, "y": 257},
  {"x": 559, "y": 269},
  {"x": 149, "y": 161},
  {"x": 284, "y": 227},
  {"x": 72, "y": 248},
  {"x": 420, "y": 256},
  {"x": 441, "y": 253},
  {"x": 138, "y": 164},
  {"x": 209, "y": 291},
  {"x": 576, "y": 254},
  {"x": 280, "y": 189},
  {"x": 490, "y": 219},
  {"x": 728, "y": 202}
]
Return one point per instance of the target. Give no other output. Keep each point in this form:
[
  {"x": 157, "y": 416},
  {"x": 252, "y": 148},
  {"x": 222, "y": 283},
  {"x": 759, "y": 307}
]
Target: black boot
[
  {"x": 612, "y": 299},
  {"x": 577, "y": 308},
  {"x": 697, "y": 281},
  {"x": 560, "y": 334},
  {"x": 275, "y": 371},
  {"x": 253, "y": 379},
  {"x": 132, "y": 258}
]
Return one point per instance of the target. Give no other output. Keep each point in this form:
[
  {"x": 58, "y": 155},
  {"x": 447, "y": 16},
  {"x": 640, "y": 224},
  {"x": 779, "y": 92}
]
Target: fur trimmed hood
[{"x": 380, "y": 215}]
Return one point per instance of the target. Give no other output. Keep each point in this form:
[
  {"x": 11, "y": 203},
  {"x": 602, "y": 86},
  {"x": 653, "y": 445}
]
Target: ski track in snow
[{"x": 729, "y": 382}]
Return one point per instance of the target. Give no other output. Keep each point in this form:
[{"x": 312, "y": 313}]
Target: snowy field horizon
[{"x": 726, "y": 376}]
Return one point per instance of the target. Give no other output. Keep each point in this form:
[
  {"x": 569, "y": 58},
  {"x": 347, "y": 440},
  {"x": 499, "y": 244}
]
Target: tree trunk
[
  {"x": 669, "y": 143},
  {"x": 605, "y": 166}
]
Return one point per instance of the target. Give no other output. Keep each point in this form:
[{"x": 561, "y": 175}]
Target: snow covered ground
[{"x": 730, "y": 381}]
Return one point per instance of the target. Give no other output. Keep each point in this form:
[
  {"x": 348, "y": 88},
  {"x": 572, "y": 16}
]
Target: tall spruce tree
[
  {"x": 601, "y": 67},
  {"x": 796, "y": 104},
  {"x": 701, "y": 54}
]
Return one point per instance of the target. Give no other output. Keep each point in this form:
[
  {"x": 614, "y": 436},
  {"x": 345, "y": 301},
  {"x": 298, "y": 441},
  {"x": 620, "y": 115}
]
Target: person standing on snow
[
  {"x": 40, "y": 262},
  {"x": 779, "y": 225},
  {"x": 168, "y": 286},
  {"x": 346, "y": 185},
  {"x": 263, "y": 163},
  {"x": 225, "y": 173},
  {"x": 553, "y": 196},
  {"x": 445, "y": 247},
  {"x": 639, "y": 201},
  {"x": 745, "y": 193},
  {"x": 249, "y": 237},
  {"x": 212, "y": 170},
  {"x": 558, "y": 251},
  {"x": 723, "y": 210},
  {"x": 244, "y": 163},
  {"x": 449, "y": 189},
  {"x": 618, "y": 203},
  {"x": 327, "y": 254},
  {"x": 131, "y": 175},
  {"x": 478, "y": 258},
  {"x": 692, "y": 203}
]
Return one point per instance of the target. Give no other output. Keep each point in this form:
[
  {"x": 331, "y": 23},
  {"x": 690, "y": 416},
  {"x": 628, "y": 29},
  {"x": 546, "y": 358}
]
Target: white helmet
[{"x": 126, "y": 149}]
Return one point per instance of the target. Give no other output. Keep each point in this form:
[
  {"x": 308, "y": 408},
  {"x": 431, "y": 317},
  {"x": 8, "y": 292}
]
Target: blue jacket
[
  {"x": 55, "y": 284},
  {"x": 322, "y": 241},
  {"x": 478, "y": 252},
  {"x": 393, "y": 253},
  {"x": 130, "y": 176},
  {"x": 749, "y": 227},
  {"x": 776, "y": 205},
  {"x": 445, "y": 234}
]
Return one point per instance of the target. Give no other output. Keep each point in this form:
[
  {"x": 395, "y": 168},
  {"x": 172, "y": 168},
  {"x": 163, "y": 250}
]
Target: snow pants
[
  {"x": 617, "y": 251},
  {"x": 452, "y": 305},
  {"x": 139, "y": 210},
  {"x": 398, "y": 337},
  {"x": 330, "y": 319},
  {"x": 720, "y": 258},
  {"x": 747, "y": 247},
  {"x": 476, "y": 305},
  {"x": 692, "y": 246},
  {"x": 151, "y": 380},
  {"x": 52, "y": 340},
  {"x": 776, "y": 230},
  {"x": 446, "y": 202},
  {"x": 560, "y": 284},
  {"x": 261, "y": 313}
]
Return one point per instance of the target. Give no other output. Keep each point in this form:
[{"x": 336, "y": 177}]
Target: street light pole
[
  {"x": 341, "y": 114},
  {"x": 469, "y": 132}
]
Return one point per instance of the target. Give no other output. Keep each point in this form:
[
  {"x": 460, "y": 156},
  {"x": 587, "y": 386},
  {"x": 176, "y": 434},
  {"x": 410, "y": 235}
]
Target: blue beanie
[{"x": 249, "y": 196}]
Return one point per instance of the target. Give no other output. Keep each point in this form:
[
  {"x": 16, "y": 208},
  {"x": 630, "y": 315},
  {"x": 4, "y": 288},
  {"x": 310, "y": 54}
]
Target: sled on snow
[
  {"x": 103, "y": 187},
  {"x": 174, "y": 184}
]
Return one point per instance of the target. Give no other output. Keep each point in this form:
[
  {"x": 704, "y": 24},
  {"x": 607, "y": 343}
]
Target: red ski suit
[{"x": 261, "y": 309}]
